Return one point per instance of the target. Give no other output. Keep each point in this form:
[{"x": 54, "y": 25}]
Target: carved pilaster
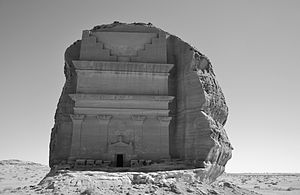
[
  {"x": 103, "y": 120},
  {"x": 138, "y": 121},
  {"x": 76, "y": 135},
  {"x": 164, "y": 135}
]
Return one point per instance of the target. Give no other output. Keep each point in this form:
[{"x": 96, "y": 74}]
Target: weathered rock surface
[{"x": 199, "y": 112}]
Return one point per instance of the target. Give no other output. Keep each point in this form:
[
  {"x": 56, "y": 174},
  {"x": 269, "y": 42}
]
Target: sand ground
[
  {"x": 269, "y": 183},
  {"x": 19, "y": 177}
]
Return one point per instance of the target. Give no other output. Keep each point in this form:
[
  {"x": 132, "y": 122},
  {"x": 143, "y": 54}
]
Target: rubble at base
[{"x": 161, "y": 182}]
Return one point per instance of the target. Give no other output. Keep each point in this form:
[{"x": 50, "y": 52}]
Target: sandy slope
[
  {"x": 275, "y": 183},
  {"x": 17, "y": 174},
  {"x": 18, "y": 177}
]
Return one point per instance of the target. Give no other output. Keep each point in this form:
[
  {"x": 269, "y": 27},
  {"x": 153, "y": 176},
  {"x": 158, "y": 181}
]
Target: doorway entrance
[{"x": 120, "y": 160}]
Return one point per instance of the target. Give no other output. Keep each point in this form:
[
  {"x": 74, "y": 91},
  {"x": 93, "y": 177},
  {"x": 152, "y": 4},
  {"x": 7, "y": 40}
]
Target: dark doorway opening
[{"x": 120, "y": 160}]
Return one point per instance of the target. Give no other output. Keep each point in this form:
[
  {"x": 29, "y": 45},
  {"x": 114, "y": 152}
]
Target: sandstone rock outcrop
[{"x": 137, "y": 94}]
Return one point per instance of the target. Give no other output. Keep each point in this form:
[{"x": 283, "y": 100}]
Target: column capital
[
  {"x": 164, "y": 120},
  {"x": 77, "y": 117},
  {"x": 138, "y": 117},
  {"x": 103, "y": 117}
]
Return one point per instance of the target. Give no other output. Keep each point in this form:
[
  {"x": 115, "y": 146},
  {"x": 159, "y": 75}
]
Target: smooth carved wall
[
  {"x": 63, "y": 138},
  {"x": 163, "y": 88},
  {"x": 121, "y": 98},
  {"x": 92, "y": 143},
  {"x": 135, "y": 136},
  {"x": 122, "y": 82}
]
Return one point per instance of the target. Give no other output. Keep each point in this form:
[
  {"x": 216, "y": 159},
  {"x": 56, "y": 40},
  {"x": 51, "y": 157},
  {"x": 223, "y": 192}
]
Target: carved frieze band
[
  {"x": 138, "y": 117},
  {"x": 104, "y": 117},
  {"x": 77, "y": 117}
]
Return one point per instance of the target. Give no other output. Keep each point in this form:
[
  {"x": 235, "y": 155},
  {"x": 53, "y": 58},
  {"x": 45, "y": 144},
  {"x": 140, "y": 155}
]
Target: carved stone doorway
[{"x": 119, "y": 159}]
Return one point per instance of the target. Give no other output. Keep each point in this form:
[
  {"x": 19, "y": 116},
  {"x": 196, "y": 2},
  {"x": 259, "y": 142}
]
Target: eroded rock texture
[{"x": 197, "y": 108}]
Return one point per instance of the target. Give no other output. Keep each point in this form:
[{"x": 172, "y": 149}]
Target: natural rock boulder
[{"x": 135, "y": 93}]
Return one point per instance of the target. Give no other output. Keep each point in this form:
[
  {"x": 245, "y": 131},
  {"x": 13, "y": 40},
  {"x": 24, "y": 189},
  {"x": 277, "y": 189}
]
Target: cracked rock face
[{"x": 199, "y": 111}]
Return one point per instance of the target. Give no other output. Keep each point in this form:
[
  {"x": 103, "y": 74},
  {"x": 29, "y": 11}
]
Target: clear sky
[{"x": 254, "y": 47}]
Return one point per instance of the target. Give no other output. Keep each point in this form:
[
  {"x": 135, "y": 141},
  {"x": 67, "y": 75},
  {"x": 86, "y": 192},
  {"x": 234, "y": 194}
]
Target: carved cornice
[
  {"x": 96, "y": 97},
  {"x": 122, "y": 66},
  {"x": 138, "y": 117},
  {"x": 77, "y": 116},
  {"x": 104, "y": 117}
]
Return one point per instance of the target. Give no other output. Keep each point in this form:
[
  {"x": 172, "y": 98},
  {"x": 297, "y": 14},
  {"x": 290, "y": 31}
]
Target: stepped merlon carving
[
  {"x": 91, "y": 49},
  {"x": 124, "y": 46}
]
